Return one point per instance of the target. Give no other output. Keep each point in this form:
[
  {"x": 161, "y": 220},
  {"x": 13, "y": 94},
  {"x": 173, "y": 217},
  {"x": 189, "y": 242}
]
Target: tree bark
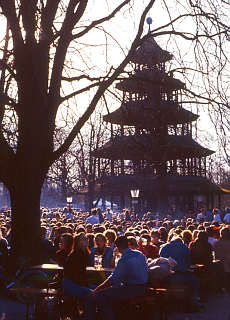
[
  {"x": 27, "y": 173},
  {"x": 25, "y": 206}
]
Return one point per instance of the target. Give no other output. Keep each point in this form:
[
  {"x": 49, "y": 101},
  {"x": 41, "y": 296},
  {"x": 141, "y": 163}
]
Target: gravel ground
[
  {"x": 217, "y": 308},
  {"x": 11, "y": 309}
]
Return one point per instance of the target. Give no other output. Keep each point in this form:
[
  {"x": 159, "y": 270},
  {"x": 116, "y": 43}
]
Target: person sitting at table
[
  {"x": 201, "y": 250},
  {"x": 111, "y": 237},
  {"x": 202, "y": 254},
  {"x": 75, "y": 281},
  {"x": 103, "y": 250},
  {"x": 148, "y": 249},
  {"x": 222, "y": 252},
  {"x": 46, "y": 252},
  {"x": 177, "y": 250},
  {"x": 128, "y": 280},
  {"x": 65, "y": 247}
]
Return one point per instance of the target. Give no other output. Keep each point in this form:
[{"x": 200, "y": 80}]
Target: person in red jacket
[{"x": 148, "y": 249}]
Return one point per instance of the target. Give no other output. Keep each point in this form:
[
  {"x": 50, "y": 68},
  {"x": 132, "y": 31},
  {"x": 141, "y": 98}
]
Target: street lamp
[
  {"x": 69, "y": 202},
  {"x": 135, "y": 195}
]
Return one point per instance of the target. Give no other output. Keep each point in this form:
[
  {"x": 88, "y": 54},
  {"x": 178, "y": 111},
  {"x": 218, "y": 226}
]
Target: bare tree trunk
[
  {"x": 27, "y": 174},
  {"x": 25, "y": 206}
]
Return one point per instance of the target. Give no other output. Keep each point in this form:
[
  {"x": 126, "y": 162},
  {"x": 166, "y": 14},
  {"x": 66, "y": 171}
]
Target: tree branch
[
  {"x": 73, "y": 94},
  {"x": 9, "y": 11},
  {"x": 185, "y": 35},
  {"x": 47, "y": 17},
  {"x": 99, "y": 21},
  {"x": 28, "y": 12},
  {"x": 83, "y": 76},
  {"x": 71, "y": 18},
  {"x": 4, "y": 65},
  {"x": 102, "y": 87}
]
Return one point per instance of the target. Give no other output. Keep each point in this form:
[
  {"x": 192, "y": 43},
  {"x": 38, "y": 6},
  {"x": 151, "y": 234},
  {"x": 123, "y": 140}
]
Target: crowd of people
[{"x": 126, "y": 243}]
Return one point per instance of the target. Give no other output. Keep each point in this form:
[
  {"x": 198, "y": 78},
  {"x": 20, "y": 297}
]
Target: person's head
[
  {"x": 147, "y": 237},
  {"x": 81, "y": 242},
  {"x": 216, "y": 231},
  {"x": 66, "y": 241},
  {"x": 43, "y": 232},
  {"x": 89, "y": 228},
  {"x": 57, "y": 216},
  {"x": 163, "y": 234},
  {"x": 225, "y": 233},
  {"x": 101, "y": 229},
  {"x": 132, "y": 243},
  {"x": 91, "y": 238},
  {"x": 136, "y": 233},
  {"x": 94, "y": 212},
  {"x": 129, "y": 234},
  {"x": 80, "y": 229},
  {"x": 143, "y": 231},
  {"x": 110, "y": 236},
  {"x": 190, "y": 227},
  {"x": 155, "y": 235},
  {"x": 202, "y": 236},
  {"x": 96, "y": 229},
  {"x": 100, "y": 241},
  {"x": 201, "y": 227},
  {"x": 186, "y": 236},
  {"x": 176, "y": 237},
  {"x": 210, "y": 231},
  {"x": 63, "y": 229},
  {"x": 195, "y": 234},
  {"x": 122, "y": 243}
]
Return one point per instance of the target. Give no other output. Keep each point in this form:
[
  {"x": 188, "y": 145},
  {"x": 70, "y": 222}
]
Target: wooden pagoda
[{"x": 153, "y": 149}]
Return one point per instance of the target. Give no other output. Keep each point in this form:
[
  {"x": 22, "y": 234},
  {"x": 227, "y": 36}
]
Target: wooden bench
[{"x": 146, "y": 306}]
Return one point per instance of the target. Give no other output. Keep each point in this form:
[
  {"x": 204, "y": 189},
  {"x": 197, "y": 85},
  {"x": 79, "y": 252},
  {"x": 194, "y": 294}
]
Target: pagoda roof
[
  {"x": 148, "y": 147},
  {"x": 145, "y": 114},
  {"x": 147, "y": 81},
  {"x": 150, "y": 53},
  {"x": 174, "y": 183}
]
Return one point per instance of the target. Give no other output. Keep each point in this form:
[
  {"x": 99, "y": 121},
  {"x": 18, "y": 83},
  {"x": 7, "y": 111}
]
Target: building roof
[
  {"x": 149, "y": 147},
  {"x": 148, "y": 81},
  {"x": 150, "y": 53},
  {"x": 174, "y": 184},
  {"x": 145, "y": 114}
]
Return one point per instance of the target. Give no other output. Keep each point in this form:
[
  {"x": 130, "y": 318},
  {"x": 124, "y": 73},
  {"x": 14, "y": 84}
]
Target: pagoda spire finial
[{"x": 149, "y": 21}]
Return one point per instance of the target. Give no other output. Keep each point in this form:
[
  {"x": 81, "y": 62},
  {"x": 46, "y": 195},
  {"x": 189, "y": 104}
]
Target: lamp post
[
  {"x": 69, "y": 202},
  {"x": 135, "y": 197}
]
